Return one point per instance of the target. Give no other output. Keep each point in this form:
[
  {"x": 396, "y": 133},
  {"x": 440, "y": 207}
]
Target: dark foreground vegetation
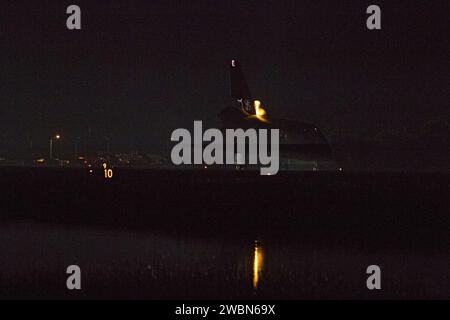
[{"x": 189, "y": 234}]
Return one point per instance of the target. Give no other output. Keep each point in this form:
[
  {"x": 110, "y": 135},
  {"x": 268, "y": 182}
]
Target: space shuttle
[{"x": 302, "y": 145}]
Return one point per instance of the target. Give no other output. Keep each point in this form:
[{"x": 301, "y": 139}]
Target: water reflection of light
[{"x": 257, "y": 265}]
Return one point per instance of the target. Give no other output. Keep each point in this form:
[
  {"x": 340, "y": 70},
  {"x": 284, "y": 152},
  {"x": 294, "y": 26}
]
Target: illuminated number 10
[{"x": 108, "y": 172}]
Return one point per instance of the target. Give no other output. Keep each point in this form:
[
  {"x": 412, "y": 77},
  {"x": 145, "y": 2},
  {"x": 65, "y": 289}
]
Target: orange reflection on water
[{"x": 258, "y": 260}]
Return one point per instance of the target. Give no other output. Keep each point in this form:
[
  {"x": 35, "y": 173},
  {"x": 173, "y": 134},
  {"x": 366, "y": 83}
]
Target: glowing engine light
[{"x": 259, "y": 111}]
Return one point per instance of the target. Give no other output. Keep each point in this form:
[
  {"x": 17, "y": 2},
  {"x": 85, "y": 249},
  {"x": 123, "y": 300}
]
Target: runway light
[{"x": 108, "y": 172}]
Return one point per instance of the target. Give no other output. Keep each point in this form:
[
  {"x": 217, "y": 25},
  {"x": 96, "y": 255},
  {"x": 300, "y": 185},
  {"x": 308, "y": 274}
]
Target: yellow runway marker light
[{"x": 108, "y": 172}]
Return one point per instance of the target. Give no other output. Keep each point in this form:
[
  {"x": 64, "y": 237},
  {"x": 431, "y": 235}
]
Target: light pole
[{"x": 57, "y": 136}]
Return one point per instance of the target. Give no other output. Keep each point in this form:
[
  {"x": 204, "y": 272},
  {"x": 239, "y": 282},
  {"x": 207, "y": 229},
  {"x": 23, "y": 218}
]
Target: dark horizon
[{"x": 138, "y": 70}]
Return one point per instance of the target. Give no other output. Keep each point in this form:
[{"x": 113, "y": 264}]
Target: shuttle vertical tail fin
[{"x": 239, "y": 88}]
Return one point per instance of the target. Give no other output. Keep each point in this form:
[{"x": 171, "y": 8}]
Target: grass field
[{"x": 161, "y": 235}]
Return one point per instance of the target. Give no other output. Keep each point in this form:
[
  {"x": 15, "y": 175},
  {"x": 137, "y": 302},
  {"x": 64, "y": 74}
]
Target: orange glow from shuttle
[
  {"x": 257, "y": 265},
  {"x": 259, "y": 111}
]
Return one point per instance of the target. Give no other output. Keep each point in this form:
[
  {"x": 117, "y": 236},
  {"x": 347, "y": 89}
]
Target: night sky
[{"x": 139, "y": 69}]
